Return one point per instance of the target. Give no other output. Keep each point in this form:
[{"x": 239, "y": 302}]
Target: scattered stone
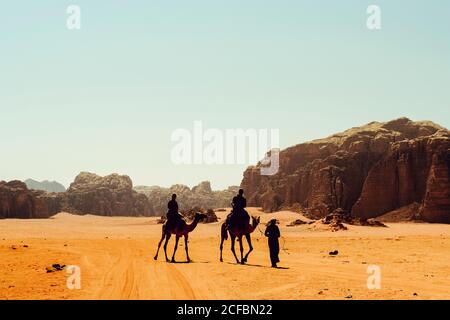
[
  {"x": 296, "y": 222},
  {"x": 415, "y": 294},
  {"x": 25, "y": 246},
  {"x": 210, "y": 215},
  {"x": 333, "y": 253},
  {"x": 335, "y": 221},
  {"x": 349, "y": 296},
  {"x": 55, "y": 267}
]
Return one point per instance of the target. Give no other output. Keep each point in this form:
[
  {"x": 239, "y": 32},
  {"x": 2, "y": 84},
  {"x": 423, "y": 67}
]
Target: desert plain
[{"x": 115, "y": 256}]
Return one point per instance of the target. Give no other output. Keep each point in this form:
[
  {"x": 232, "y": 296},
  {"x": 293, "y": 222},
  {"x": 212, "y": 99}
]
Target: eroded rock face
[
  {"x": 368, "y": 170},
  {"x": 201, "y": 196},
  {"x": 16, "y": 201},
  {"x": 112, "y": 195},
  {"x": 414, "y": 170}
]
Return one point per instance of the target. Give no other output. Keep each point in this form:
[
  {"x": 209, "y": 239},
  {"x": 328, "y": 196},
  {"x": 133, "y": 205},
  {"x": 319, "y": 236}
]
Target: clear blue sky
[{"x": 106, "y": 98}]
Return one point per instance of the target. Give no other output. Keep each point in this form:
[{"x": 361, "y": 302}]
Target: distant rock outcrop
[
  {"x": 201, "y": 196},
  {"x": 368, "y": 171},
  {"x": 112, "y": 195},
  {"x": 49, "y": 186},
  {"x": 17, "y": 201}
]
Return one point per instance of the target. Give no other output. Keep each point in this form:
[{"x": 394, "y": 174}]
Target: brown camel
[
  {"x": 180, "y": 230},
  {"x": 238, "y": 231}
]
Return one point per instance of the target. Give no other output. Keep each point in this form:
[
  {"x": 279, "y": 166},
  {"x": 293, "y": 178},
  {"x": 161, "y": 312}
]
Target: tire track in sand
[{"x": 130, "y": 275}]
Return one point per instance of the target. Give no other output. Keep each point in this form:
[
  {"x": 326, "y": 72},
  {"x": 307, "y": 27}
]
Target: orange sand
[{"x": 116, "y": 260}]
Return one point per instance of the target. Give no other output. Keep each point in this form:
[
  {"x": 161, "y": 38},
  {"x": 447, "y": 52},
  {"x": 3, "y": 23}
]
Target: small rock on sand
[{"x": 333, "y": 253}]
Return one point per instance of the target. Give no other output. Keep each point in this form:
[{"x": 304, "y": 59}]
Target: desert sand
[{"x": 115, "y": 255}]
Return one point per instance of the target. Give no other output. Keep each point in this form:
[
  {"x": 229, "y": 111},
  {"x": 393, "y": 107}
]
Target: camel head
[{"x": 255, "y": 221}]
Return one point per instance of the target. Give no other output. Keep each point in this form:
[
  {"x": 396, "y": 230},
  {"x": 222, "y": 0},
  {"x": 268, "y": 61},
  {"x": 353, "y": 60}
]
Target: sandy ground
[{"x": 115, "y": 256}]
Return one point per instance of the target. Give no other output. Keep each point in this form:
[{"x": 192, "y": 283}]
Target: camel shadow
[
  {"x": 181, "y": 262},
  {"x": 188, "y": 262},
  {"x": 258, "y": 266},
  {"x": 248, "y": 265}
]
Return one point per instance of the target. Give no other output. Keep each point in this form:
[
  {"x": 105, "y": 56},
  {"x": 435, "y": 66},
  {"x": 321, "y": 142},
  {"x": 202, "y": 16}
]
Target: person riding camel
[
  {"x": 173, "y": 216},
  {"x": 238, "y": 212}
]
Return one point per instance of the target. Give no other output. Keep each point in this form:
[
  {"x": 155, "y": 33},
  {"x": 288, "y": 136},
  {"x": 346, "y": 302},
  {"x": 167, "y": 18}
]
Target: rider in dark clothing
[
  {"x": 173, "y": 216},
  {"x": 239, "y": 204},
  {"x": 273, "y": 233}
]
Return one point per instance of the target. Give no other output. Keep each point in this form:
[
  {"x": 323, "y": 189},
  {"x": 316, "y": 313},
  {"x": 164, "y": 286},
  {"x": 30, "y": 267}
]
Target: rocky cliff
[
  {"x": 200, "y": 196},
  {"x": 112, "y": 195},
  {"x": 17, "y": 201},
  {"x": 368, "y": 171}
]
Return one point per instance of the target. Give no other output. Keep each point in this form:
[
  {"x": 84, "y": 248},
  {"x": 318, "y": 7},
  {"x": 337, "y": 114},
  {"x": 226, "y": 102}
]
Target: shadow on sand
[
  {"x": 257, "y": 265},
  {"x": 183, "y": 262}
]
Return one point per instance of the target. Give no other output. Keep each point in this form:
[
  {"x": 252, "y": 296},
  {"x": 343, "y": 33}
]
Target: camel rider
[
  {"x": 239, "y": 204},
  {"x": 173, "y": 216}
]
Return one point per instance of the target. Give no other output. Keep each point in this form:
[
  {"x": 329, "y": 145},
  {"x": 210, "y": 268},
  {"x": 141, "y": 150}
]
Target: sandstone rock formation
[
  {"x": 17, "y": 201},
  {"x": 211, "y": 216},
  {"x": 201, "y": 196},
  {"x": 112, "y": 195},
  {"x": 49, "y": 186},
  {"x": 368, "y": 171}
]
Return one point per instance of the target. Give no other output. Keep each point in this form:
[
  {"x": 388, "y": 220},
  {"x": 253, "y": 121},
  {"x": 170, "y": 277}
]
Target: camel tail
[{"x": 224, "y": 232}]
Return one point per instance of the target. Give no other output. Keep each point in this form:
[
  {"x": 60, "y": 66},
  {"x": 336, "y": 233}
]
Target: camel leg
[
  {"x": 186, "y": 247},
  {"x": 249, "y": 241},
  {"x": 233, "y": 238},
  {"x": 168, "y": 235},
  {"x": 177, "y": 238},
  {"x": 241, "y": 247},
  {"x": 159, "y": 246}
]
